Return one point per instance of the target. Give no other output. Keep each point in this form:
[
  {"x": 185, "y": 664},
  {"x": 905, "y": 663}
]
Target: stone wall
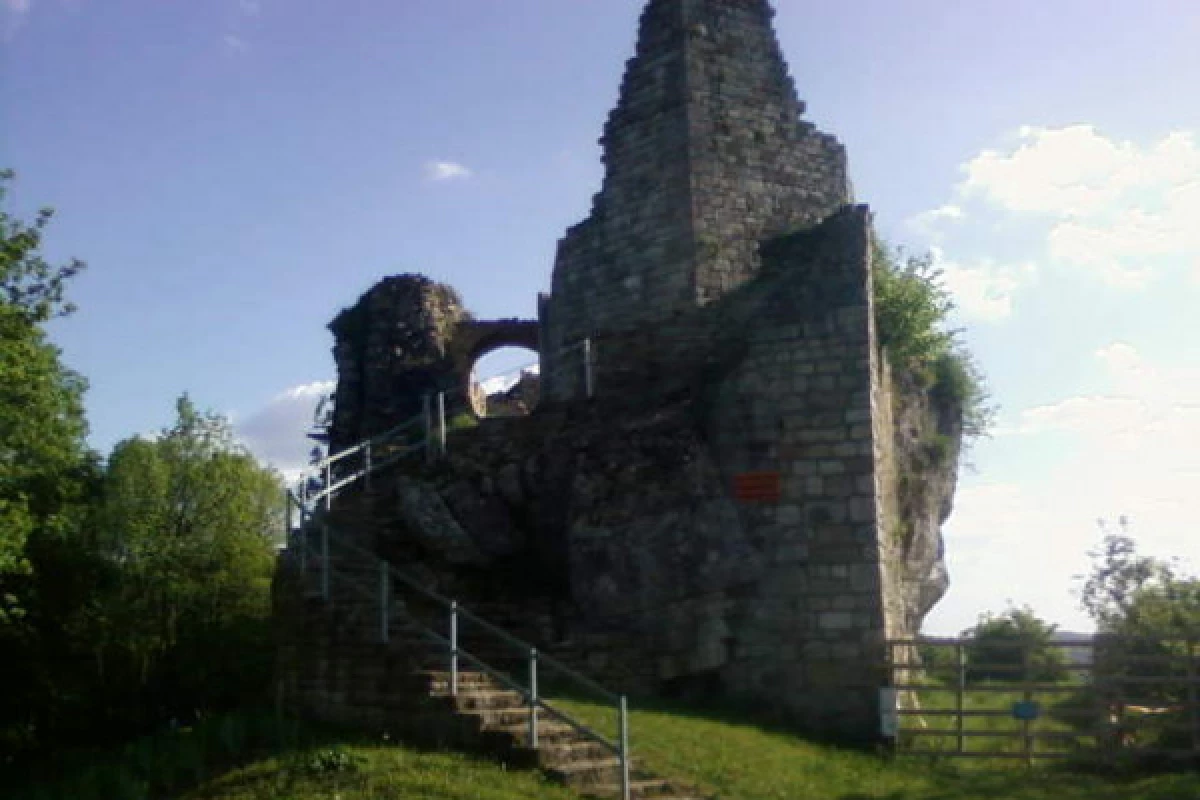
[
  {"x": 705, "y": 156},
  {"x": 391, "y": 348},
  {"x": 751, "y": 503},
  {"x": 406, "y": 338}
]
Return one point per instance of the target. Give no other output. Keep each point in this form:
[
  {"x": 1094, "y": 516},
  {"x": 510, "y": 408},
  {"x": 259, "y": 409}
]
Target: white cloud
[
  {"x": 930, "y": 223},
  {"x": 984, "y": 290},
  {"x": 446, "y": 171},
  {"x": 1120, "y": 211},
  {"x": 234, "y": 43},
  {"x": 276, "y": 432},
  {"x": 1133, "y": 449},
  {"x": 250, "y": 8}
]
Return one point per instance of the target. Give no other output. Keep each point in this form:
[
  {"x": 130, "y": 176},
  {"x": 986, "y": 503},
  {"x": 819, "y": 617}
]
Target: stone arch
[{"x": 475, "y": 338}]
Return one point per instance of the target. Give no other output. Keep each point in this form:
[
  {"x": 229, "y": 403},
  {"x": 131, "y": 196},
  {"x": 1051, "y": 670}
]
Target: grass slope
[
  {"x": 734, "y": 760},
  {"x": 381, "y": 773}
]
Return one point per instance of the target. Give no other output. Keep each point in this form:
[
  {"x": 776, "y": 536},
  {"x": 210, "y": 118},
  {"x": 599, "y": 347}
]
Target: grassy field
[
  {"x": 1065, "y": 722},
  {"x": 249, "y": 757}
]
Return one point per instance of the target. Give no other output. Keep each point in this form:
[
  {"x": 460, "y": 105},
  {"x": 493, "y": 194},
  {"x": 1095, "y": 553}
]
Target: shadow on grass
[{"x": 173, "y": 760}]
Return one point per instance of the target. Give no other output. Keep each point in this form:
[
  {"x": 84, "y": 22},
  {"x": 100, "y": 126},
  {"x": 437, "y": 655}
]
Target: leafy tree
[
  {"x": 1147, "y": 615},
  {"x": 43, "y": 457},
  {"x": 46, "y": 476},
  {"x": 912, "y": 306},
  {"x": 187, "y": 525},
  {"x": 1013, "y": 646}
]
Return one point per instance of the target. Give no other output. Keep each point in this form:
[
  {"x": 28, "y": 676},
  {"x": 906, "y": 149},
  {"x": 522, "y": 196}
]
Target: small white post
[
  {"x": 384, "y": 592},
  {"x": 589, "y": 378},
  {"x": 441, "y": 411},
  {"x": 533, "y": 697},
  {"x": 325, "y": 562},
  {"x": 624, "y": 749},
  {"x": 454, "y": 648}
]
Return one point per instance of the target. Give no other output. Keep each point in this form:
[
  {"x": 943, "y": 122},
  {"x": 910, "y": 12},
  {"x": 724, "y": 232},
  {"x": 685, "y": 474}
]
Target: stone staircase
[{"x": 337, "y": 669}]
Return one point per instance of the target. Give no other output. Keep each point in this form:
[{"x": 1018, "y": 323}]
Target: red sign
[{"x": 758, "y": 487}]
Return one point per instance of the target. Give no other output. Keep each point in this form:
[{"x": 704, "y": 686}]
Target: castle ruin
[{"x": 748, "y": 505}]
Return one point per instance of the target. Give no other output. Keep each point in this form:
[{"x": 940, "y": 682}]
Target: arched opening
[{"x": 505, "y": 382}]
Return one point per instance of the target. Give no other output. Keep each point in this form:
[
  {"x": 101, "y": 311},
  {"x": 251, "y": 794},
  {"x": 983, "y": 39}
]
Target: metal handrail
[
  {"x": 324, "y": 466},
  {"x": 388, "y": 571}
]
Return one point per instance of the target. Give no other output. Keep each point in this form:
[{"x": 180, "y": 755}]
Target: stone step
[
  {"x": 552, "y": 754},
  {"x": 476, "y": 699},
  {"x": 643, "y": 789},
  {"x": 588, "y": 772},
  {"x": 490, "y": 719},
  {"x": 549, "y": 731}
]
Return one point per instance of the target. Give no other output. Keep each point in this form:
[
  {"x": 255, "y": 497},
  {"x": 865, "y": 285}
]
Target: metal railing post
[
  {"x": 328, "y": 484},
  {"x": 624, "y": 722},
  {"x": 454, "y": 648},
  {"x": 589, "y": 379},
  {"x": 427, "y": 412},
  {"x": 384, "y": 600},
  {"x": 441, "y": 412},
  {"x": 533, "y": 697},
  {"x": 367, "y": 470}
]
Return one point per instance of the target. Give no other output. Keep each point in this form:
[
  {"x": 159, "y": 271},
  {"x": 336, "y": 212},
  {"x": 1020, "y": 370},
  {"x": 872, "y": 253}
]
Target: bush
[
  {"x": 1000, "y": 644},
  {"x": 912, "y": 307}
]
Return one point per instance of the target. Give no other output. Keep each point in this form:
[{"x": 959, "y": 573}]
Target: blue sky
[{"x": 236, "y": 171}]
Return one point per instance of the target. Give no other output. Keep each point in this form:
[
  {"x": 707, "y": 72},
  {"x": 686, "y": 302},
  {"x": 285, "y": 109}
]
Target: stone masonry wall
[
  {"x": 758, "y": 170},
  {"x": 705, "y": 156},
  {"x": 800, "y": 405}
]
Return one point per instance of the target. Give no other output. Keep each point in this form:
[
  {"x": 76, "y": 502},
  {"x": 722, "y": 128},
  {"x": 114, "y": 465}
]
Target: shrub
[{"x": 912, "y": 306}]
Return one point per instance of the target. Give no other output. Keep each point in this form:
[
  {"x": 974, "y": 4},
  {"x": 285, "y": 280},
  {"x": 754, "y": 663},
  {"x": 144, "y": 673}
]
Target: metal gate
[{"x": 1102, "y": 696}]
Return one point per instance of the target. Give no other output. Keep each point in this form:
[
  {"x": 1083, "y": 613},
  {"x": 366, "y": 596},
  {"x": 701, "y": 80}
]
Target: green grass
[
  {"x": 254, "y": 757},
  {"x": 381, "y": 772},
  {"x": 733, "y": 759},
  {"x": 1066, "y": 719}
]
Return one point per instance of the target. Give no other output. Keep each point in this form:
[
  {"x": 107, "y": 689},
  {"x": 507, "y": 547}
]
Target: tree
[
  {"x": 188, "y": 525},
  {"x": 43, "y": 458},
  {"x": 1147, "y": 615},
  {"x": 1135, "y": 595},
  {"x": 1013, "y": 646},
  {"x": 46, "y": 477}
]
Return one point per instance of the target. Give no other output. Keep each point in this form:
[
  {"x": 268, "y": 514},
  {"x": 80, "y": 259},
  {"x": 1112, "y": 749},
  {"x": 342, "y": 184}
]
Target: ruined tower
[
  {"x": 750, "y": 502},
  {"x": 706, "y": 155}
]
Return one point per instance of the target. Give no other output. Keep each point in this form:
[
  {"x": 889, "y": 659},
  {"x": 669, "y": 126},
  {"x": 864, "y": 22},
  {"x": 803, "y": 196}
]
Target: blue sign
[{"x": 1026, "y": 711}]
